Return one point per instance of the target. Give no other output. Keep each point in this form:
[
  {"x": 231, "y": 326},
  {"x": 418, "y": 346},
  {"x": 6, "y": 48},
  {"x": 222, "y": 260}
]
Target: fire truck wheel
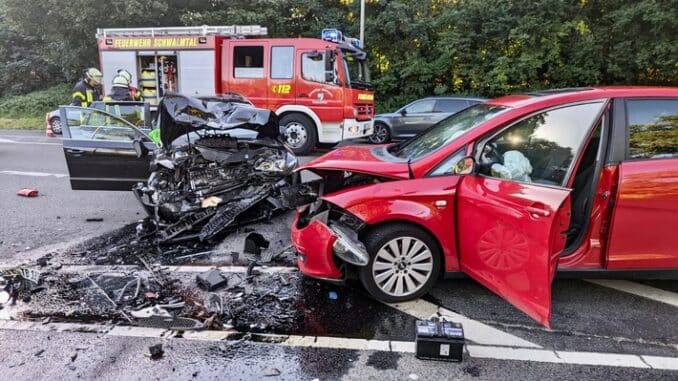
[{"x": 301, "y": 133}]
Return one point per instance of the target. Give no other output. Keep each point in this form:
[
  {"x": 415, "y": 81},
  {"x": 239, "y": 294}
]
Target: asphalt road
[{"x": 613, "y": 330}]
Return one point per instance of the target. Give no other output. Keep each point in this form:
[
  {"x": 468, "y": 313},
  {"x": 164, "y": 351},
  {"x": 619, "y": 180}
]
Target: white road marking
[
  {"x": 660, "y": 362},
  {"x": 9, "y": 141},
  {"x": 473, "y": 330},
  {"x": 33, "y": 174},
  {"x": 648, "y": 292},
  {"x": 603, "y": 359},
  {"x": 520, "y": 354},
  {"x": 619, "y": 360}
]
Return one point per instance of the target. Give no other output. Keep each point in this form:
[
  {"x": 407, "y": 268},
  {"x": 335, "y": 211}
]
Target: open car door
[
  {"x": 511, "y": 237},
  {"x": 512, "y": 220},
  {"x": 99, "y": 150}
]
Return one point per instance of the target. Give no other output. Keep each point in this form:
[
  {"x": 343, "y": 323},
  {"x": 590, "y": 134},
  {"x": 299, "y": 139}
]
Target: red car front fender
[{"x": 428, "y": 203}]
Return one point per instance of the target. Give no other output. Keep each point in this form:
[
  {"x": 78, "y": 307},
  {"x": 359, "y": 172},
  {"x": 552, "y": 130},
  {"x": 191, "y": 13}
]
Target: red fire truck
[{"x": 320, "y": 88}]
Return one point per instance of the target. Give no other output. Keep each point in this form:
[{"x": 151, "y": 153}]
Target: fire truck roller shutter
[
  {"x": 111, "y": 61},
  {"x": 195, "y": 72}
]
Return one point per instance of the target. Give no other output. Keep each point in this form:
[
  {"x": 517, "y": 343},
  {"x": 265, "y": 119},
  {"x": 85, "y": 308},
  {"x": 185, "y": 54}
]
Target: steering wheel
[{"x": 491, "y": 155}]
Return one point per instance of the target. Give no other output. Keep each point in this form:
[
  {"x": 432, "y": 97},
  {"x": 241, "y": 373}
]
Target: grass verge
[{"x": 26, "y": 123}]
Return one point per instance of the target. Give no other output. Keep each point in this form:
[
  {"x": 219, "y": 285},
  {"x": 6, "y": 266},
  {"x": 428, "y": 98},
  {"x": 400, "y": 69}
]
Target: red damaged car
[{"x": 581, "y": 180}]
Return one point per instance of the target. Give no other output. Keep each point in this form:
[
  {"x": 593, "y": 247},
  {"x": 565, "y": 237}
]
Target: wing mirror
[
  {"x": 465, "y": 166},
  {"x": 403, "y": 112},
  {"x": 140, "y": 148}
]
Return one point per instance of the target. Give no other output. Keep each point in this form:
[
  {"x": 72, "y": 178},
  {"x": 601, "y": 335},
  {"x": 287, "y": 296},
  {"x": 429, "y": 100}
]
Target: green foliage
[
  {"x": 35, "y": 104},
  {"x": 417, "y": 48},
  {"x": 28, "y": 123}
]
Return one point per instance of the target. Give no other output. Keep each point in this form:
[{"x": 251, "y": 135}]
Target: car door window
[
  {"x": 92, "y": 124},
  {"x": 450, "y": 105},
  {"x": 652, "y": 128},
  {"x": 420, "y": 107},
  {"x": 540, "y": 148}
]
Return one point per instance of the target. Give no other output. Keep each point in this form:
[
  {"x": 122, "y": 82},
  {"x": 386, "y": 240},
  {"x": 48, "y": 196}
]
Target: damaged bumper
[{"x": 325, "y": 246}]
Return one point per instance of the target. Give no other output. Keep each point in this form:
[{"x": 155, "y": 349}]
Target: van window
[
  {"x": 653, "y": 128},
  {"x": 282, "y": 62},
  {"x": 248, "y": 62},
  {"x": 313, "y": 67}
]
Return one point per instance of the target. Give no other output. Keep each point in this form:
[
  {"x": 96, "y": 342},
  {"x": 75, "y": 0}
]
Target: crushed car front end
[
  {"x": 222, "y": 164},
  {"x": 327, "y": 236},
  {"x": 327, "y": 239}
]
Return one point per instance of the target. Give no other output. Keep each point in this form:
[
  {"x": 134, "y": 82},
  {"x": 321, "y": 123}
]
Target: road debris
[
  {"x": 27, "y": 192},
  {"x": 155, "y": 352},
  {"x": 222, "y": 164},
  {"x": 20, "y": 282},
  {"x": 254, "y": 242},
  {"x": 211, "y": 280},
  {"x": 94, "y": 219},
  {"x": 273, "y": 372}
]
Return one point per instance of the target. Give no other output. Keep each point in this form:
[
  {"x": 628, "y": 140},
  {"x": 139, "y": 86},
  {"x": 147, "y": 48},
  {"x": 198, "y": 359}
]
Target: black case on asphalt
[{"x": 439, "y": 340}]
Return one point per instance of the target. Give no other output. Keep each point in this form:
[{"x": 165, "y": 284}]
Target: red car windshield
[{"x": 445, "y": 131}]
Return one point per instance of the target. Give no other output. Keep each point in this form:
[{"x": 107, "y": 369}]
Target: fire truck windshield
[{"x": 357, "y": 73}]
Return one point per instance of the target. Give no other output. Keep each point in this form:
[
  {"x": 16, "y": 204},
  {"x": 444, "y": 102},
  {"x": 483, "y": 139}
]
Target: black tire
[
  {"x": 381, "y": 134},
  {"x": 302, "y": 135},
  {"x": 380, "y": 237},
  {"x": 55, "y": 125}
]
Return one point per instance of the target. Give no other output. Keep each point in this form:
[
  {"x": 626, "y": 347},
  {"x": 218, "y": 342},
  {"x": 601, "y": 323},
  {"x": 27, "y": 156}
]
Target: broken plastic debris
[
  {"x": 254, "y": 242},
  {"x": 210, "y": 202},
  {"x": 333, "y": 295},
  {"x": 149, "y": 312},
  {"x": 155, "y": 352},
  {"x": 28, "y": 192},
  {"x": 172, "y": 323},
  {"x": 211, "y": 280}
]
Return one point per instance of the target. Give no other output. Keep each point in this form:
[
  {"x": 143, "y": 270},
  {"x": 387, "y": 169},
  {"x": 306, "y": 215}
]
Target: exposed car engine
[{"x": 222, "y": 164}]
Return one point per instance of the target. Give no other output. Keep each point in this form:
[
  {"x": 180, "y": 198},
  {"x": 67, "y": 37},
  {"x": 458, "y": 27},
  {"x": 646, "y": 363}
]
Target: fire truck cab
[{"x": 320, "y": 88}]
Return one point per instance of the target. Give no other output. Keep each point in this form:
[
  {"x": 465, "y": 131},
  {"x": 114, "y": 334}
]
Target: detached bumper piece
[{"x": 439, "y": 340}]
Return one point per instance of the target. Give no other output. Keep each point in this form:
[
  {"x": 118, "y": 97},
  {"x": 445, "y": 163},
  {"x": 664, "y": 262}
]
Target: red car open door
[
  {"x": 513, "y": 218},
  {"x": 510, "y": 237}
]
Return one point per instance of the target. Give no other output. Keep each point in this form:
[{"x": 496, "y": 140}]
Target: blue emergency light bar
[{"x": 335, "y": 35}]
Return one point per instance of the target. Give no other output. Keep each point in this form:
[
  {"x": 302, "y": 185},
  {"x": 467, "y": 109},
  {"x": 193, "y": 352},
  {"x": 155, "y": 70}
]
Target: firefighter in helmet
[
  {"x": 122, "y": 89},
  {"x": 88, "y": 89}
]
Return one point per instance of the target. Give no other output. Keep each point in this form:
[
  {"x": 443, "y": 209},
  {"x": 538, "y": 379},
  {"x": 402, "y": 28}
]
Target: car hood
[
  {"x": 180, "y": 115},
  {"x": 362, "y": 159}
]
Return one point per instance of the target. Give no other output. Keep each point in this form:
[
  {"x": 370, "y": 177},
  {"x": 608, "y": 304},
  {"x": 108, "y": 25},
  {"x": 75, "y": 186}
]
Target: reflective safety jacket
[{"x": 84, "y": 94}]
